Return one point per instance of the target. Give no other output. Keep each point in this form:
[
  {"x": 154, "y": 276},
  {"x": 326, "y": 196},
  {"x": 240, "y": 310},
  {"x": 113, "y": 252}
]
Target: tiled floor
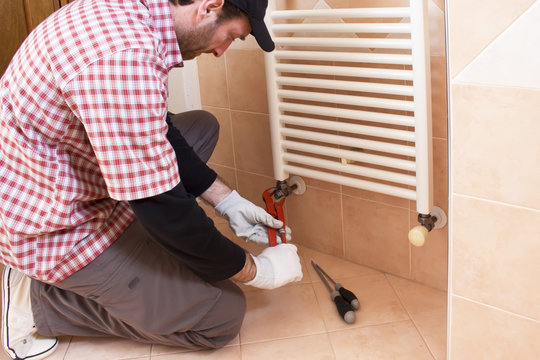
[{"x": 398, "y": 319}]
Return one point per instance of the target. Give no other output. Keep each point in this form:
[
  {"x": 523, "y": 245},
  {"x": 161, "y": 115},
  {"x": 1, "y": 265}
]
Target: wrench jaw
[
  {"x": 274, "y": 208},
  {"x": 274, "y": 199}
]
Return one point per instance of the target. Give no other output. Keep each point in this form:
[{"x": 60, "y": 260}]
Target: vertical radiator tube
[
  {"x": 273, "y": 102},
  {"x": 422, "y": 105}
]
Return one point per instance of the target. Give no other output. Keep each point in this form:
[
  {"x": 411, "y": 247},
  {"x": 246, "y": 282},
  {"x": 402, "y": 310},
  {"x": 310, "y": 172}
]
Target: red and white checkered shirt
[{"x": 82, "y": 131}]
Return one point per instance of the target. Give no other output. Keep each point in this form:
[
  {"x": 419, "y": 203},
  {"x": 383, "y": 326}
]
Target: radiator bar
[
  {"x": 370, "y": 87},
  {"x": 385, "y": 43},
  {"x": 390, "y": 12},
  {"x": 381, "y": 146},
  {"x": 385, "y": 28},
  {"x": 350, "y": 128},
  {"x": 376, "y": 58},
  {"x": 391, "y": 74},
  {"x": 402, "y": 105},
  {"x": 359, "y": 156},
  {"x": 398, "y": 178},
  {"x": 352, "y": 182},
  {"x": 348, "y": 114}
]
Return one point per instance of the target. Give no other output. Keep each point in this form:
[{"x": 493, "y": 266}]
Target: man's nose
[{"x": 220, "y": 50}]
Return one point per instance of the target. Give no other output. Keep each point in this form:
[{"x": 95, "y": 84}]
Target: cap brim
[{"x": 259, "y": 30}]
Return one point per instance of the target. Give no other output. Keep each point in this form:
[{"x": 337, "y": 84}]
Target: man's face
[{"x": 211, "y": 37}]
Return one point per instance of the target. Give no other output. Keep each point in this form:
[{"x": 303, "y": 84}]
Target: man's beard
[{"x": 193, "y": 42}]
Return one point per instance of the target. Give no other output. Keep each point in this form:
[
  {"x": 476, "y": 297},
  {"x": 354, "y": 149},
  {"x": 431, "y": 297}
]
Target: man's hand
[
  {"x": 249, "y": 220},
  {"x": 276, "y": 266}
]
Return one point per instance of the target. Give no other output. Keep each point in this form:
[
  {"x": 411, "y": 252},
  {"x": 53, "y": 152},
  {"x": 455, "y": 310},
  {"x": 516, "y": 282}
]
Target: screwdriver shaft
[{"x": 318, "y": 271}]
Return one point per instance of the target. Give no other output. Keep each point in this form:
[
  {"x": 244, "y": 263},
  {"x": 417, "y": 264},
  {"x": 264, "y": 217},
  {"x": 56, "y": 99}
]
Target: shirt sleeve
[
  {"x": 121, "y": 100},
  {"x": 175, "y": 220}
]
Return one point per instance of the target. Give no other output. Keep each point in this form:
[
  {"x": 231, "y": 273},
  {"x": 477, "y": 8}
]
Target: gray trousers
[{"x": 136, "y": 290}]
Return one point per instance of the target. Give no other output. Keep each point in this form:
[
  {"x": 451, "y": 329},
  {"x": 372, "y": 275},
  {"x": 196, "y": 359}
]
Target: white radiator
[{"x": 349, "y": 98}]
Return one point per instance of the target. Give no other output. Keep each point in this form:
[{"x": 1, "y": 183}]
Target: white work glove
[
  {"x": 249, "y": 220},
  {"x": 276, "y": 266}
]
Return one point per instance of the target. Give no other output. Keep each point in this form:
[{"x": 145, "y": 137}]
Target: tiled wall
[
  {"x": 495, "y": 179},
  {"x": 364, "y": 227}
]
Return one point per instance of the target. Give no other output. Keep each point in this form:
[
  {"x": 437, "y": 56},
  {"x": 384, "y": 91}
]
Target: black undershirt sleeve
[{"x": 180, "y": 225}]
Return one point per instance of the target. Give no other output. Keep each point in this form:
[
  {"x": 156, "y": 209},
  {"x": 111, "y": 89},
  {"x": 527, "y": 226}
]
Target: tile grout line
[
  {"x": 496, "y": 308},
  {"x": 410, "y": 317},
  {"x": 497, "y": 202}
]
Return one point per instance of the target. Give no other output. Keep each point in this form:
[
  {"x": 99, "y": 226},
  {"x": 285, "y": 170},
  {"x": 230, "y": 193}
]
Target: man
[{"x": 100, "y": 231}]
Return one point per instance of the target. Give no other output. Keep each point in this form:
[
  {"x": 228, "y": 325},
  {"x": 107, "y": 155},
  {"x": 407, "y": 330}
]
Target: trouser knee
[
  {"x": 200, "y": 129},
  {"x": 223, "y": 323}
]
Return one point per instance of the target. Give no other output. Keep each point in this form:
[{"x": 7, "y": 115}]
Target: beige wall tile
[
  {"x": 393, "y": 341},
  {"x": 437, "y": 36},
  {"x": 491, "y": 67},
  {"x": 246, "y": 80},
  {"x": 251, "y": 186},
  {"x": 213, "y": 81},
  {"x": 227, "y": 174},
  {"x": 496, "y": 257},
  {"x": 223, "y": 153},
  {"x": 429, "y": 263},
  {"x": 483, "y": 333},
  {"x": 440, "y": 173},
  {"x": 315, "y": 219},
  {"x": 376, "y": 235},
  {"x": 252, "y": 144},
  {"x": 473, "y": 25},
  {"x": 438, "y": 97},
  {"x": 325, "y": 185},
  {"x": 496, "y": 151},
  {"x": 376, "y": 197},
  {"x": 336, "y": 267}
]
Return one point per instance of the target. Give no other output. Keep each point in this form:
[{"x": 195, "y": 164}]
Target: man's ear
[{"x": 209, "y": 8}]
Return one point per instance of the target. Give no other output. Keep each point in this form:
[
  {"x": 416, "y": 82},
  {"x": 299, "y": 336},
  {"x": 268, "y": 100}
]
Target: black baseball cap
[{"x": 255, "y": 10}]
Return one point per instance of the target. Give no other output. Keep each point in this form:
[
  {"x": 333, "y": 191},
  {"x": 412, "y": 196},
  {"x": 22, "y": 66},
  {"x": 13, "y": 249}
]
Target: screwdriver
[
  {"x": 344, "y": 308},
  {"x": 346, "y": 294}
]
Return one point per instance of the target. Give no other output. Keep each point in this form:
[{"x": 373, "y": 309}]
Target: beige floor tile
[
  {"x": 378, "y": 303},
  {"x": 281, "y": 313},
  {"x": 390, "y": 341},
  {"x": 417, "y": 298},
  {"x": 58, "y": 354},
  {"x": 226, "y": 353},
  {"x": 163, "y": 350},
  {"x": 427, "y": 309},
  {"x": 316, "y": 347},
  {"x": 432, "y": 326},
  {"x": 86, "y": 348}
]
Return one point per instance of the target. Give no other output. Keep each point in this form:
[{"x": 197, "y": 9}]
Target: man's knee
[
  {"x": 223, "y": 323},
  {"x": 200, "y": 129}
]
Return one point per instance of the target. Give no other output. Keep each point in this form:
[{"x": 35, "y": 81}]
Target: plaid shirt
[{"x": 82, "y": 130}]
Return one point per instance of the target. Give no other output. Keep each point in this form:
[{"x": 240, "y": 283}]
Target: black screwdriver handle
[
  {"x": 348, "y": 296},
  {"x": 344, "y": 309}
]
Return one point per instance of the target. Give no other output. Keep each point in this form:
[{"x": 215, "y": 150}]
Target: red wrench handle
[{"x": 276, "y": 210}]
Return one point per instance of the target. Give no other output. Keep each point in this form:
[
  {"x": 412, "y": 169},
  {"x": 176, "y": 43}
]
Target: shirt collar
[{"x": 160, "y": 12}]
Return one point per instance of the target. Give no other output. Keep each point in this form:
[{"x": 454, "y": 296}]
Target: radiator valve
[{"x": 434, "y": 220}]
